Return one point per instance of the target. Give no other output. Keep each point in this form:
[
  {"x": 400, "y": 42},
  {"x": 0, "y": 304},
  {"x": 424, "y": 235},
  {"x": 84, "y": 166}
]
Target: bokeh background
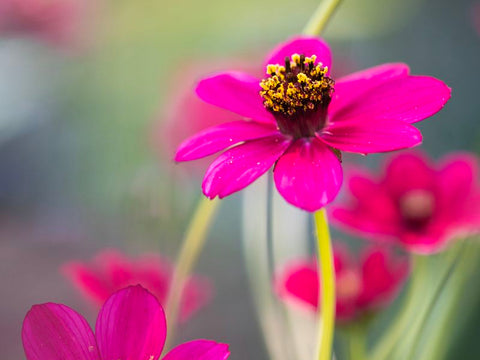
[{"x": 85, "y": 153}]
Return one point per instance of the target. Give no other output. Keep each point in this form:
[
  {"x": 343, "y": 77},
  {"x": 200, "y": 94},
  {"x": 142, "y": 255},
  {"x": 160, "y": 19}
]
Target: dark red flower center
[
  {"x": 417, "y": 207},
  {"x": 298, "y": 95}
]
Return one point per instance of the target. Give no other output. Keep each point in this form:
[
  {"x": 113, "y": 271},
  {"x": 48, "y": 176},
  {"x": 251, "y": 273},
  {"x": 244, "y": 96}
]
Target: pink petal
[
  {"x": 457, "y": 179},
  {"x": 88, "y": 281},
  {"x": 299, "y": 281},
  {"x": 131, "y": 325},
  {"x": 240, "y": 166},
  {"x": 56, "y": 332},
  {"x": 199, "y": 350},
  {"x": 426, "y": 243},
  {"x": 115, "y": 267},
  {"x": 361, "y": 185},
  {"x": 306, "y": 45},
  {"x": 220, "y": 137},
  {"x": 351, "y": 87},
  {"x": 383, "y": 274},
  {"x": 370, "y": 136},
  {"x": 409, "y": 99},
  {"x": 409, "y": 163},
  {"x": 237, "y": 92},
  {"x": 373, "y": 220},
  {"x": 308, "y": 175},
  {"x": 197, "y": 293}
]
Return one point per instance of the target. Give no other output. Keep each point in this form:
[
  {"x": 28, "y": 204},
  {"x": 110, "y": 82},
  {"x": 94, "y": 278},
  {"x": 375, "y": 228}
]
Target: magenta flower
[
  {"x": 415, "y": 203},
  {"x": 130, "y": 326},
  {"x": 361, "y": 287},
  {"x": 300, "y": 120},
  {"x": 110, "y": 271},
  {"x": 52, "y": 20}
]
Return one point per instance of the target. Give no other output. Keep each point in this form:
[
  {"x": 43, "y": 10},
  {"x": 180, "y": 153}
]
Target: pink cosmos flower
[
  {"x": 415, "y": 203},
  {"x": 361, "y": 287},
  {"x": 52, "y": 20},
  {"x": 110, "y": 271},
  {"x": 130, "y": 326},
  {"x": 299, "y": 121}
]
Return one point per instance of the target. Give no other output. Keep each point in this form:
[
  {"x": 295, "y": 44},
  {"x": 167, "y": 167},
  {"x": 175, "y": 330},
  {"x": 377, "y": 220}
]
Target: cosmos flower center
[
  {"x": 417, "y": 207},
  {"x": 348, "y": 285},
  {"x": 298, "y": 95}
]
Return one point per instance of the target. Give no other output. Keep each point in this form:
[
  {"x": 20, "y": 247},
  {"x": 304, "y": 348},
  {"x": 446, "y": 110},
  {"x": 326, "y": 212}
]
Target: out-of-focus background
[{"x": 85, "y": 149}]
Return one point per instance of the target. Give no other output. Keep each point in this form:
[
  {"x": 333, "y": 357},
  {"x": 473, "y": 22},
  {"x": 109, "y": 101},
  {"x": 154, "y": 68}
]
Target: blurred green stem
[
  {"x": 320, "y": 17},
  {"x": 447, "y": 309},
  {"x": 357, "y": 342},
  {"x": 428, "y": 303},
  {"x": 388, "y": 342},
  {"x": 192, "y": 246},
  {"x": 326, "y": 309},
  {"x": 423, "y": 292}
]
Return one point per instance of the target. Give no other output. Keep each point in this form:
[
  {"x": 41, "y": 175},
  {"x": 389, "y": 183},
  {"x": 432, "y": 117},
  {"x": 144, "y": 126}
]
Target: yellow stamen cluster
[{"x": 300, "y": 85}]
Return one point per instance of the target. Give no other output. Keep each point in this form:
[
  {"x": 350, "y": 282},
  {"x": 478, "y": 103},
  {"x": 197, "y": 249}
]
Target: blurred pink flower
[
  {"x": 55, "y": 21},
  {"x": 185, "y": 114},
  {"x": 130, "y": 325},
  {"x": 361, "y": 287},
  {"x": 299, "y": 124},
  {"x": 475, "y": 16},
  {"x": 414, "y": 202},
  {"x": 110, "y": 271}
]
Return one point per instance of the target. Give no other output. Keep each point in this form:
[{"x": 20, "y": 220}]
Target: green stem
[
  {"x": 320, "y": 17},
  {"x": 429, "y": 305},
  {"x": 440, "y": 334},
  {"x": 357, "y": 343},
  {"x": 256, "y": 249},
  {"x": 388, "y": 342},
  {"x": 417, "y": 306},
  {"x": 326, "y": 311},
  {"x": 192, "y": 246}
]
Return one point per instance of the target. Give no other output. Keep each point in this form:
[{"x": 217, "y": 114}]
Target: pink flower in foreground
[
  {"x": 130, "y": 326},
  {"x": 415, "y": 203},
  {"x": 361, "y": 288},
  {"x": 110, "y": 271},
  {"x": 52, "y": 20},
  {"x": 300, "y": 120}
]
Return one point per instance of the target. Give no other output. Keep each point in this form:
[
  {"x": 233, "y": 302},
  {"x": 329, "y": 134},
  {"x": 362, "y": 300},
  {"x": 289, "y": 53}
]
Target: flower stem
[
  {"x": 193, "y": 243},
  {"x": 406, "y": 328},
  {"x": 440, "y": 335},
  {"x": 320, "y": 17},
  {"x": 394, "y": 333},
  {"x": 422, "y": 316},
  {"x": 357, "y": 342},
  {"x": 326, "y": 311}
]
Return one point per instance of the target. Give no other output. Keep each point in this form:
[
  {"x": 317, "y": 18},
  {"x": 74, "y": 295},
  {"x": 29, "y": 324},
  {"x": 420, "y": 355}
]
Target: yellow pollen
[{"x": 300, "y": 85}]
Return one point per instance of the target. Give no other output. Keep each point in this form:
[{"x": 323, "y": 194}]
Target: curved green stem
[
  {"x": 192, "y": 246},
  {"x": 429, "y": 305},
  {"x": 444, "y": 314},
  {"x": 387, "y": 343},
  {"x": 326, "y": 272},
  {"x": 320, "y": 17},
  {"x": 416, "y": 307}
]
